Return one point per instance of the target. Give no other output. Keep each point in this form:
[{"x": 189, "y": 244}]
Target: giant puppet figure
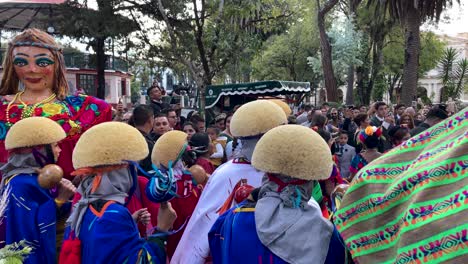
[
  {"x": 228, "y": 183},
  {"x": 410, "y": 205},
  {"x": 279, "y": 223},
  {"x": 34, "y": 62}
]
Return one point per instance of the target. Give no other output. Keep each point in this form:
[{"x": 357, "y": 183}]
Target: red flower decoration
[{"x": 38, "y": 111}]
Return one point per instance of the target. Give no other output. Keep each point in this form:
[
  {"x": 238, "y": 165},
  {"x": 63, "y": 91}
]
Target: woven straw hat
[
  {"x": 287, "y": 110},
  {"x": 256, "y": 118},
  {"x": 109, "y": 143},
  {"x": 33, "y": 131},
  {"x": 295, "y": 151},
  {"x": 168, "y": 148}
]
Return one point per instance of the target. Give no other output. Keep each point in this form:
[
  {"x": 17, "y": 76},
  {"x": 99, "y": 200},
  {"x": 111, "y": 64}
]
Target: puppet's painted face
[{"x": 34, "y": 67}]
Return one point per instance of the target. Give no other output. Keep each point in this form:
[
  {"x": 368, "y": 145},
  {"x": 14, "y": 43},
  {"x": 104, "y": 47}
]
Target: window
[{"x": 88, "y": 83}]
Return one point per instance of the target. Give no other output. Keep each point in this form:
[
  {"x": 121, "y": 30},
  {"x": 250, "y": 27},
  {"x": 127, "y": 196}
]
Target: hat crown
[
  {"x": 168, "y": 147},
  {"x": 295, "y": 151},
  {"x": 256, "y": 118},
  {"x": 109, "y": 143},
  {"x": 33, "y": 131}
]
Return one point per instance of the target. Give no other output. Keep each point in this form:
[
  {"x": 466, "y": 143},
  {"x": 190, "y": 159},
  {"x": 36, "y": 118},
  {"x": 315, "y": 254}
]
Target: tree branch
[
  {"x": 173, "y": 40},
  {"x": 327, "y": 7},
  {"x": 214, "y": 45},
  {"x": 198, "y": 32}
]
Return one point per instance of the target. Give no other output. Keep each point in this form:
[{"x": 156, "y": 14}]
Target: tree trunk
[
  {"x": 350, "y": 80},
  {"x": 412, "y": 46},
  {"x": 100, "y": 67},
  {"x": 326, "y": 50},
  {"x": 349, "y": 90}
]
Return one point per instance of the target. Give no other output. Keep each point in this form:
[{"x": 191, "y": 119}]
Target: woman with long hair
[
  {"x": 35, "y": 62},
  {"x": 407, "y": 121}
]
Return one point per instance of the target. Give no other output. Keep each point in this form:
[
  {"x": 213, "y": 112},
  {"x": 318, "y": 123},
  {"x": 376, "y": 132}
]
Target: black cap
[{"x": 200, "y": 142}]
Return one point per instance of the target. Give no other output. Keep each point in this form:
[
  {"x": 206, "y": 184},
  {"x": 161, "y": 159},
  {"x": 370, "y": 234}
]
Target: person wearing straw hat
[
  {"x": 280, "y": 223},
  {"x": 38, "y": 195},
  {"x": 171, "y": 157},
  {"x": 101, "y": 229},
  {"x": 231, "y": 182}
]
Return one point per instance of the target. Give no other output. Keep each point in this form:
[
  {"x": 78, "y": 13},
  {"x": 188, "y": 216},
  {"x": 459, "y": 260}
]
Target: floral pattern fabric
[{"x": 75, "y": 114}]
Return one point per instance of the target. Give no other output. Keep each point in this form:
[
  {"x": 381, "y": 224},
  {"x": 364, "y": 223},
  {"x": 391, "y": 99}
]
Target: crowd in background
[{"x": 344, "y": 128}]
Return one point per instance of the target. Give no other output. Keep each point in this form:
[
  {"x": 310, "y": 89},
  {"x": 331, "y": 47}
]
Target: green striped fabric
[{"x": 410, "y": 205}]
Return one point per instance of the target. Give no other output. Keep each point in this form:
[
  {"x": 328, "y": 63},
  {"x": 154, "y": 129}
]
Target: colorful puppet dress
[
  {"x": 75, "y": 114},
  {"x": 32, "y": 214}
]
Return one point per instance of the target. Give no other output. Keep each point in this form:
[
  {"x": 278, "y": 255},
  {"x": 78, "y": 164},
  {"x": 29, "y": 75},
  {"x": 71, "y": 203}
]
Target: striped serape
[{"x": 410, "y": 205}]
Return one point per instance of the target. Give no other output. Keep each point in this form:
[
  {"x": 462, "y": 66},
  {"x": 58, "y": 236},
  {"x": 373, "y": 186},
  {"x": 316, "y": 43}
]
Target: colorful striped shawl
[{"x": 411, "y": 205}]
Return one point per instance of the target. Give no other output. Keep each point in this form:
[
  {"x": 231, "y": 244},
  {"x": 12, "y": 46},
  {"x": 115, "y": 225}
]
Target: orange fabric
[
  {"x": 96, "y": 182},
  {"x": 98, "y": 172},
  {"x": 103, "y": 210}
]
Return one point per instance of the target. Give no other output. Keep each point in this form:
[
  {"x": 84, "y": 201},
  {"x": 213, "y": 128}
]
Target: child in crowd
[
  {"x": 218, "y": 152},
  {"x": 200, "y": 144},
  {"x": 345, "y": 154}
]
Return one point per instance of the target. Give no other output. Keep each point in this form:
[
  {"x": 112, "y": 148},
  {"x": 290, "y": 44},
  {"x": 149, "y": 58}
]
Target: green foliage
[
  {"x": 454, "y": 74},
  {"x": 284, "y": 56},
  {"x": 15, "y": 253},
  {"x": 346, "y": 44},
  {"x": 76, "y": 20}
]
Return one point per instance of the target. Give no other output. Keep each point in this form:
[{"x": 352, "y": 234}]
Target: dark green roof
[{"x": 214, "y": 92}]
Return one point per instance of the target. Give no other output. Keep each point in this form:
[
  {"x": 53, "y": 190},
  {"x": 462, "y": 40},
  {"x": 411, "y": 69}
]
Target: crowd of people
[{"x": 261, "y": 184}]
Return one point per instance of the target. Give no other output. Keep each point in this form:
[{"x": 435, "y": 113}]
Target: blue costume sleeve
[
  {"x": 31, "y": 216},
  {"x": 112, "y": 237}
]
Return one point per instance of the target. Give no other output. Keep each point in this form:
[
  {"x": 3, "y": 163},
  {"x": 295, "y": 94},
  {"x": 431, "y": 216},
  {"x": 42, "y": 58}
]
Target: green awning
[{"x": 266, "y": 88}]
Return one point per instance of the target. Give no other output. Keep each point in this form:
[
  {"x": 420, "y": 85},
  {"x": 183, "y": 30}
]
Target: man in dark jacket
[
  {"x": 433, "y": 117},
  {"x": 155, "y": 94},
  {"x": 143, "y": 120},
  {"x": 384, "y": 120}
]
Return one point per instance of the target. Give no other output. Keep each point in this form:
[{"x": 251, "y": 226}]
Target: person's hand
[
  {"x": 166, "y": 216},
  {"x": 66, "y": 190},
  {"x": 389, "y": 119},
  {"x": 142, "y": 216}
]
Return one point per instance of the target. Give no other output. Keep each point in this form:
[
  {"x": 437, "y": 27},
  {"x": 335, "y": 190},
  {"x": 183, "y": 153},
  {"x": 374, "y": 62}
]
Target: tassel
[{"x": 297, "y": 203}]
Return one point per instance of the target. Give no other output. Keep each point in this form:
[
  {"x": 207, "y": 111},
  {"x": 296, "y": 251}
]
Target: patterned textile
[
  {"x": 75, "y": 114},
  {"x": 410, "y": 205},
  {"x": 357, "y": 163}
]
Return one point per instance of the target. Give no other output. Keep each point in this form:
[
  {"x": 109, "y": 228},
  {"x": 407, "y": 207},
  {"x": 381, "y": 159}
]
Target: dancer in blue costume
[
  {"x": 230, "y": 182},
  {"x": 105, "y": 156},
  {"x": 36, "y": 197},
  {"x": 279, "y": 223}
]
